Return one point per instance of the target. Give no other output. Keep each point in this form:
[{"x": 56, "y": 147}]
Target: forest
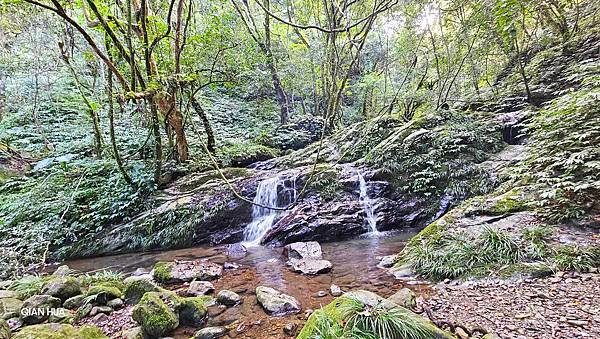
[{"x": 313, "y": 169}]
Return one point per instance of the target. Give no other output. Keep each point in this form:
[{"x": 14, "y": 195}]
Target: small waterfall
[
  {"x": 263, "y": 218},
  {"x": 367, "y": 205}
]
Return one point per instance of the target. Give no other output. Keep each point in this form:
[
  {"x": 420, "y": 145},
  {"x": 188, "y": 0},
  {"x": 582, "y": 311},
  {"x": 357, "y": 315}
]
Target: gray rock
[
  {"x": 335, "y": 290},
  {"x": 115, "y": 304},
  {"x": 146, "y": 277},
  {"x": 303, "y": 250},
  {"x": 387, "y": 261},
  {"x": 236, "y": 251},
  {"x": 136, "y": 288},
  {"x": 8, "y": 294},
  {"x": 405, "y": 297},
  {"x": 5, "y": 284},
  {"x": 211, "y": 332},
  {"x": 198, "y": 288},
  {"x": 132, "y": 333},
  {"x": 36, "y": 309},
  {"x": 230, "y": 266},
  {"x": 186, "y": 271},
  {"x": 74, "y": 303},
  {"x": 228, "y": 298},
  {"x": 10, "y": 308},
  {"x": 310, "y": 266},
  {"x": 100, "y": 309},
  {"x": 290, "y": 329},
  {"x": 139, "y": 271},
  {"x": 275, "y": 302},
  {"x": 15, "y": 323},
  {"x": 59, "y": 315},
  {"x": 402, "y": 272},
  {"x": 62, "y": 288},
  {"x": 62, "y": 271},
  {"x": 321, "y": 294}
]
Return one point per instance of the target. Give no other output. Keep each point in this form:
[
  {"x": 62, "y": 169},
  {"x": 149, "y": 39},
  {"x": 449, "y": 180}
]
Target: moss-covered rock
[
  {"x": 59, "y": 331},
  {"x": 4, "y": 330},
  {"x": 10, "y": 307},
  {"x": 358, "y": 309},
  {"x": 136, "y": 289},
  {"x": 154, "y": 315},
  {"x": 75, "y": 302},
  {"x": 162, "y": 271},
  {"x": 38, "y": 308},
  {"x": 62, "y": 288},
  {"x": 193, "y": 312},
  {"x": 106, "y": 291}
]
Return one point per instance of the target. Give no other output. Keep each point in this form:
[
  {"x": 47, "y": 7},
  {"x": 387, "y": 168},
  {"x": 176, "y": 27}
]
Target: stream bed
[{"x": 354, "y": 267}]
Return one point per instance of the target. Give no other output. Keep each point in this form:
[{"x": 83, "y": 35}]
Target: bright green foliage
[
  {"x": 575, "y": 258},
  {"x": 103, "y": 276},
  {"x": 28, "y": 285}
]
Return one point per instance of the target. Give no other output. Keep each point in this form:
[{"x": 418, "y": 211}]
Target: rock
[
  {"x": 154, "y": 316},
  {"x": 62, "y": 288},
  {"x": 236, "y": 251},
  {"x": 321, "y": 294},
  {"x": 60, "y": 315},
  {"x": 136, "y": 288},
  {"x": 193, "y": 312},
  {"x": 185, "y": 271},
  {"x": 461, "y": 333},
  {"x": 99, "y": 318},
  {"x": 105, "y": 291},
  {"x": 5, "y": 284},
  {"x": 335, "y": 290},
  {"x": 491, "y": 336},
  {"x": 4, "y": 329},
  {"x": 62, "y": 271},
  {"x": 15, "y": 323},
  {"x": 8, "y": 294},
  {"x": 59, "y": 331},
  {"x": 139, "y": 272},
  {"x": 290, "y": 329},
  {"x": 115, "y": 304},
  {"x": 387, "y": 261},
  {"x": 130, "y": 279},
  {"x": 230, "y": 266},
  {"x": 132, "y": 333},
  {"x": 310, "y": 266},
  {"x": 100, "y": 309},
  {"x": 211, "y": 332},
  {"x": 275, "y": 302},
  {"x": 10, "y": 307},
  {"x": 405, "y": 298},
  {"x": 198, "y": 288},
  {"x": 37, "y": 308},
  {"x": 228, "y": 298},
  {"x": 303, "y": 250},
  {"x": 402, "y": 272},
  {"x": 74, "y": 303}
]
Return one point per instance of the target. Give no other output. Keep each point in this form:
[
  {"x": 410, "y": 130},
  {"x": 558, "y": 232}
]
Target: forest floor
[{"x": 564, "y": 305}]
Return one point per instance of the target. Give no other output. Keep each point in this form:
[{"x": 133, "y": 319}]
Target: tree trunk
[{"x": 210, "y": 136}]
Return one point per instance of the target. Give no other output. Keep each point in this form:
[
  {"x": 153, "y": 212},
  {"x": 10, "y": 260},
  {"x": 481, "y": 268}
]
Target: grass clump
[
  {"x": 574, "y": 258},
  {"x": 102, "y": 276},
  {"x": 28, "y": 285},
  {"x": 350, "y": 316}
]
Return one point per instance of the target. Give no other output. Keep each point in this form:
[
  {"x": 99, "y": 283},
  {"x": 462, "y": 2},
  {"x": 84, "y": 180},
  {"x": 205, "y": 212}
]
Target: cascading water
[
  {"x": 263, "y": 217},
  {"x": 367, "y": 203}
]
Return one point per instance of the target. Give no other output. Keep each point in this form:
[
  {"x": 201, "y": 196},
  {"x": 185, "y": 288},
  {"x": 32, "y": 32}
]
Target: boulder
[
  {"x": 10, "y": 307},
  {"x": 193, "y": 312},
  {"x": 402, "y": 272},
  {"x": 106, "y": 291},
  {"x": 132, "y": 278},
  {"x": 60, "y": 315},
  {"x": 154, "y": 315},
  {"x": 236, "y": 251},
  {"x": 136, "y": 288},
  {"x": 115, "y": 304},
  {"x": 100, "y": 310},
  {"x": 75, "y": 302},
  {"x": 405, "y": 297},
  {"x": 132, "y": 333},
  {"x": 198, "y": 288},
  {"x": 59, "y": 331},
  {"x": 303, "y": 250},
  {"x": 15, "y": 323},
  {"x": 387, "y": 261},
  {"x": 8, "y": 294},
  {"x": 185, "y": 271},
  {"x": 4, "y": 329},
  {"x": 310, "y": 266},
  {"x": 275, "y": 302},
  {"x": 62, "y": 288},
  {"x": 37, "y": 308},
  {"x": 228, "y": 298},
  {"x": 62, "y": 271},
  {"x": 211, "y": 332}
]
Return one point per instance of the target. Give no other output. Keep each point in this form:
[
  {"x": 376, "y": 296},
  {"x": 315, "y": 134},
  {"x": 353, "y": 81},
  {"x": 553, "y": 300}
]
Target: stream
[{"x": 354, "y": 267}]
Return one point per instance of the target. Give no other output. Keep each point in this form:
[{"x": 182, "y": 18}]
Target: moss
[
  {"x": 193, "y": 312},
  {"x": 162, "y": 271},
  {"x": 509, "y": 202},
  {"x": 59, "y": 331},
  {"x": 136, "y": 289},
  {"x": 109, "y": 289},
  {"x": 154, "y": 315}
]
